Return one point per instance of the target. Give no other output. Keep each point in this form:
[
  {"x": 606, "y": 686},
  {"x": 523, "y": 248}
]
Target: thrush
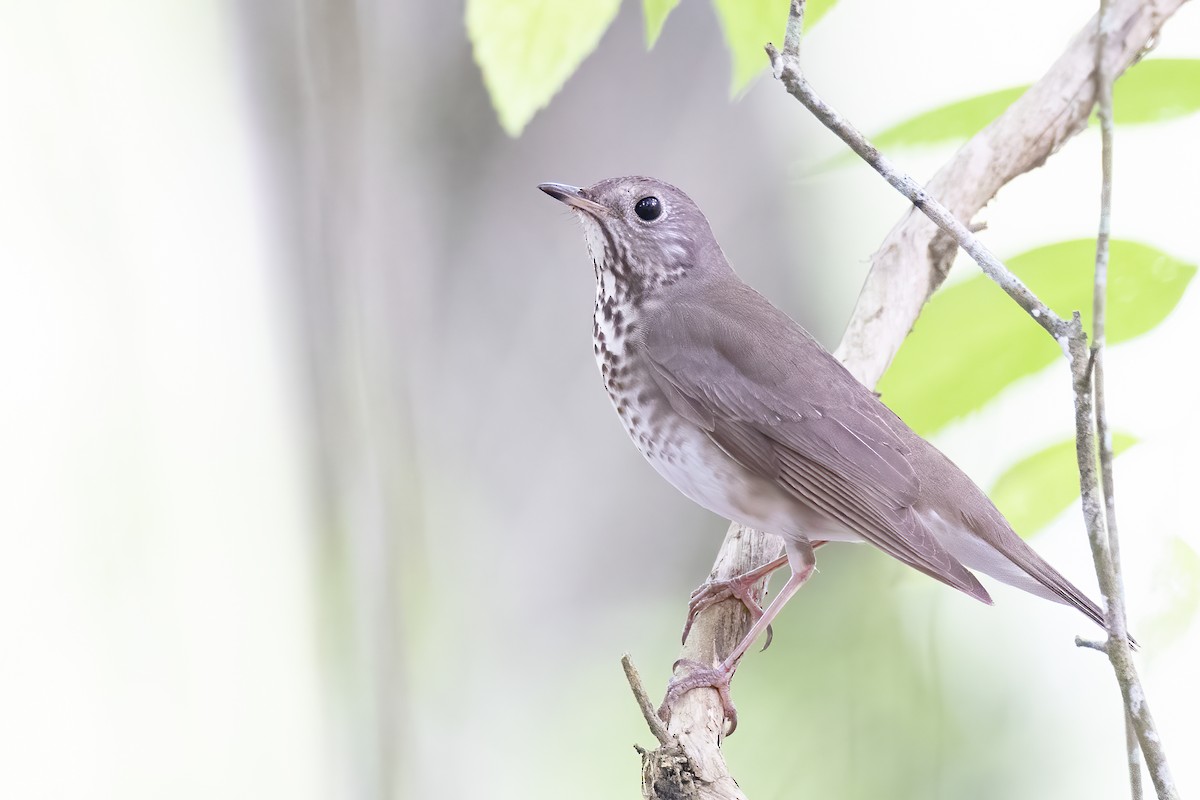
[{"x": 746, "y": 414}]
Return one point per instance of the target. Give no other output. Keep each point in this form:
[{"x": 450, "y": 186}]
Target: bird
[{"x": 739, "y": 408}]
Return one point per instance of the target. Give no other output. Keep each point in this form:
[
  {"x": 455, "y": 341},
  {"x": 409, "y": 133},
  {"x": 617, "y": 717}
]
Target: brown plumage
[
  {"x": 744, "y": 412},
  {"x": 791, "y": 413}
]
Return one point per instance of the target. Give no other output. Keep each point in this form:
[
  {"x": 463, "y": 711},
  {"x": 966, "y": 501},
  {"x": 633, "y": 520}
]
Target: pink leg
[
  {"x": 719, "y": 677},
  {"x": 737, "y": 587}
]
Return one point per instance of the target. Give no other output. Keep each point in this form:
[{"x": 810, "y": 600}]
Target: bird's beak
[{"x": 572, "y": 196}]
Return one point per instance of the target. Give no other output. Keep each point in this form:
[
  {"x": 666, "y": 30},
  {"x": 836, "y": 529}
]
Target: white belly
[{"x": 705, "y": 474}]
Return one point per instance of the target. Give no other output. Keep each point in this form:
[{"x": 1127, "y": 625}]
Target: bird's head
[{"x": 643, "y": 234}]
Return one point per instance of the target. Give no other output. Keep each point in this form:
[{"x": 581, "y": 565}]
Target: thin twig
[
  {"x": 786, "y": 66},
  {"x": 643, "y": 700},
  {"x": 787, "y": 69},
  {"x": 1132, "y": 693},
  {"x": 1115, "y": 614},
  {"x": 1070, "y": 337},
  {"x": 795, "y": 28},
  {"x": 1104, "y": 89},
  {"x": 1133, "y": 759}
]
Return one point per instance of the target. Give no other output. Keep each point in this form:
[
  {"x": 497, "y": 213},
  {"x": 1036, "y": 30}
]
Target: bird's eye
[{"x": 648, "y": 208}]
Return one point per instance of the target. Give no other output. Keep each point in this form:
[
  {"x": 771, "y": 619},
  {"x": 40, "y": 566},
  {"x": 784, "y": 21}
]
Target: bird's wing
[{"x": 780, "y": 405}]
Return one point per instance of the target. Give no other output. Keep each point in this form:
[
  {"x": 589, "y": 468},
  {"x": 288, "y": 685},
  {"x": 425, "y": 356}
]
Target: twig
[
  {"x": 1104, "y": 89},
  {"x": 1132, "y": 693},
  {"x": 1133, "y": 759},
  {"x": 1070, "y": 337},
  {"x": 786, "y": 66},
  {"x": 795, "y": 28},
  {"x": 1115, "y": 616},
  {"x": 1116, "y": 606},
  {"x": 643, "y": 700}
]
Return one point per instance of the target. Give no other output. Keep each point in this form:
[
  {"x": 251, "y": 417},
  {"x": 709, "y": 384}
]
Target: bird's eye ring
[{"x": 648, "y": 209}]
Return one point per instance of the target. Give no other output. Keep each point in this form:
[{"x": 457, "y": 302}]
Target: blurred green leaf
[
  {"x": 955, "y": 122},
  {"x": 655, "y": 13},
  {"x": 1035, "y": 490},
  {"x": 750, "y": 24},
  {"x": 971, "y": 340},
  {"x": 527, "y": 49},
  {"x": 1149, "y": 91},
  {"x": 1157, "y": 89}
]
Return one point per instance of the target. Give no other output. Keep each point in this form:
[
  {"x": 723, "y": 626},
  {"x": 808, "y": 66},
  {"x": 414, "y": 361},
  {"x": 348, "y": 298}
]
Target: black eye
[{"x": 648, "y": 208}]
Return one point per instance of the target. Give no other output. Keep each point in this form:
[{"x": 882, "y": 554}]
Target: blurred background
[{"x": 310, "y": 489}]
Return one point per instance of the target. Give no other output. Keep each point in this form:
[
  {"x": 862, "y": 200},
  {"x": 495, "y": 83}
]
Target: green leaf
[
  {"x": 1149, "y": 91},
  {"x": 1035, "y": 490},
  {"x": 955, "y": 122},
  {"x": 750, "y": 24},
  {"x": 527, "y": 49},
  {"x": 655, "y": 13},
  {"x": 949, "y": 124},
  {"x": 971, "y": 340},
  {"x": 1157, "y": 89}
]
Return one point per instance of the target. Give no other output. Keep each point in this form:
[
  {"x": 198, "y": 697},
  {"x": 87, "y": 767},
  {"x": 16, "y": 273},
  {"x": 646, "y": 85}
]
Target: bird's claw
[
  {"x": 713, "y": 592},
  {"x": 701, "y": 677}
]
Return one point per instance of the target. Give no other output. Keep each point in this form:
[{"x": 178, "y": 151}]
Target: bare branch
[
  {"x": 643, "y": 700},
  {"x": 1132, "y": 693},
  {"x": 1133, "y": 759},
  {"x": 690, "y": 762},
  {"x": 795, "y": 28},
  {"x": 1139, "y": 725}
]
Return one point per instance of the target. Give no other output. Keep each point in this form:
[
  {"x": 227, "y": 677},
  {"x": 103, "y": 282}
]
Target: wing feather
[{"x": 809, "y": 426}]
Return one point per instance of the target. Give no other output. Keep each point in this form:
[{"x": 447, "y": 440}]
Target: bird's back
[{"x": 781, "y": 370}]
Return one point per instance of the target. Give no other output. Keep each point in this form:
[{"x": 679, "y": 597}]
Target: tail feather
[{"x": 996, "y": 550}]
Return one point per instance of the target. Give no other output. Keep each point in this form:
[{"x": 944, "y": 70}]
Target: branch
[
  {"x": 1116, "y": 620},
  {"x": 1139, "y": 725},
  {"x": 787, "y": 69},
  {"x": 689, "y": 763},
  {"x": 1070, "y": 335}
]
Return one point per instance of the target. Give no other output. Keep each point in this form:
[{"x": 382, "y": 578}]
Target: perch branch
[{"x": 690, "y": 763}]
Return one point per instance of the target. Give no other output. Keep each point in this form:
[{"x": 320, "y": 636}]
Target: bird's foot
[
  {"x": 701, "y": 676},
  {"x": 736, "y": 588},
  {"x": 740, "y": 587}
]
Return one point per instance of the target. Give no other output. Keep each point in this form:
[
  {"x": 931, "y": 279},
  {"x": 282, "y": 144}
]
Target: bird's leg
[
  {"x": 802, "y": 561},
  {"x": 738, "y": 587}
]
